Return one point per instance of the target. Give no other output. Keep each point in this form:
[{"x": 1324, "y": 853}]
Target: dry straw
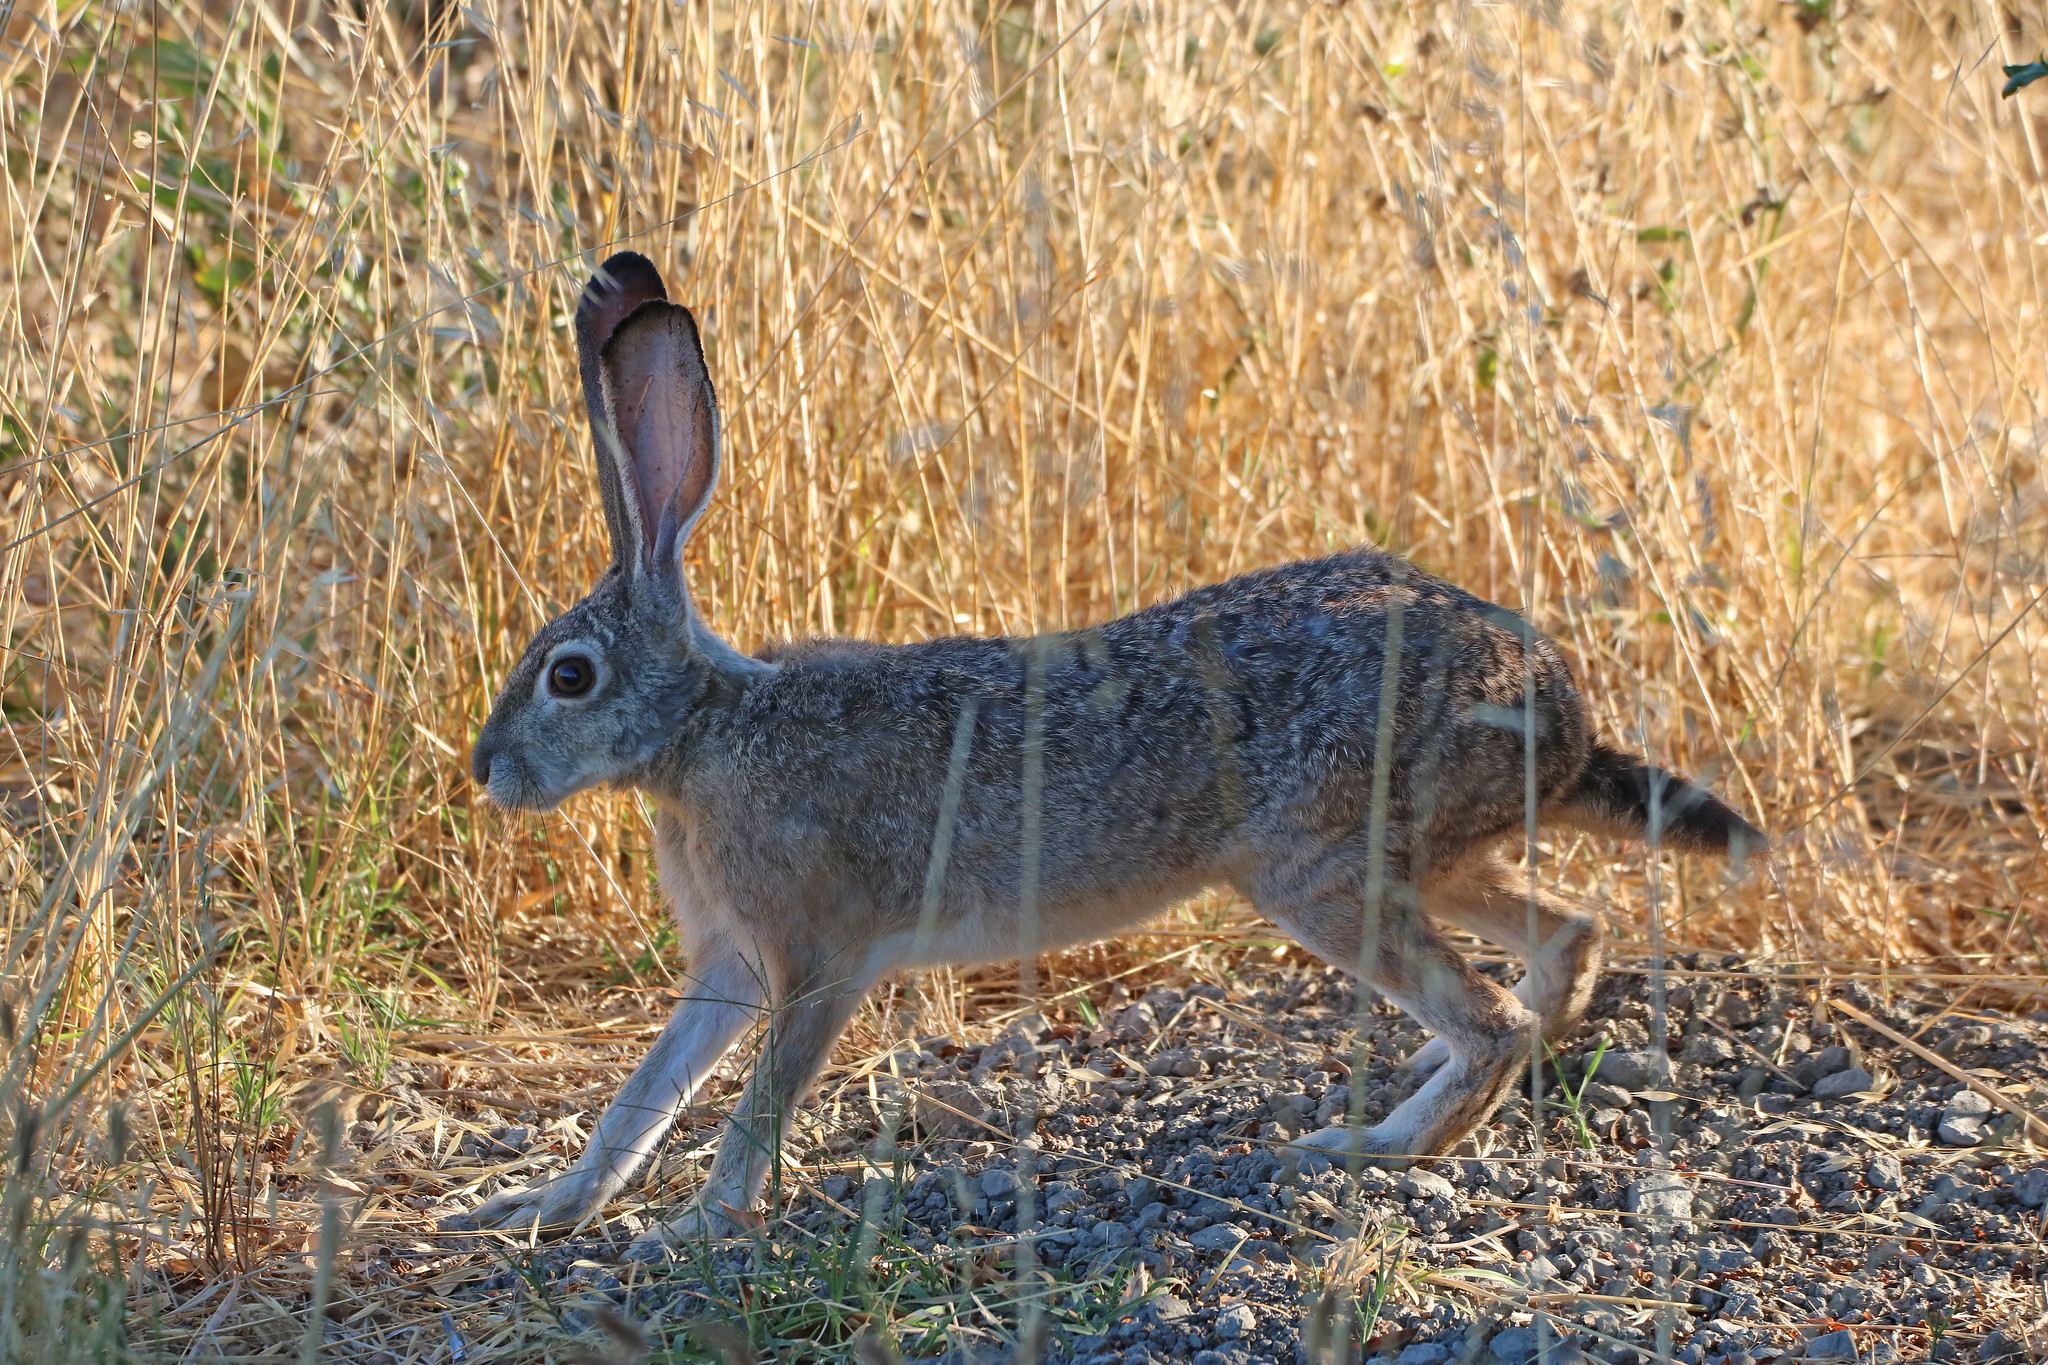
[{"x": 1711, "y": 337}]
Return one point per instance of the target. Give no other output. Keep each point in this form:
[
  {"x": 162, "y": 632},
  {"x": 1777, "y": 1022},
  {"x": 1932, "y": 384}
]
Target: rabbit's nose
[{"x": 480, "y": 765}]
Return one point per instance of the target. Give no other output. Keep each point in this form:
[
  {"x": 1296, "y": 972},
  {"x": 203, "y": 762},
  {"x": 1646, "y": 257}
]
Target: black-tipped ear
[
  {"x": 664, "y": 412},
  {"x": 621, "y": 285}
]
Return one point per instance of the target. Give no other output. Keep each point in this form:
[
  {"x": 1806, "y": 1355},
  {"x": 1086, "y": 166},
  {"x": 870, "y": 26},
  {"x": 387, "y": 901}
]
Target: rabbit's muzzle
[{"x": 504, "y": 777}]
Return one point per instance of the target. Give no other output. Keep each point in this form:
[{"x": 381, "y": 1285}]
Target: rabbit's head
[{"x": 607, "y": 684}]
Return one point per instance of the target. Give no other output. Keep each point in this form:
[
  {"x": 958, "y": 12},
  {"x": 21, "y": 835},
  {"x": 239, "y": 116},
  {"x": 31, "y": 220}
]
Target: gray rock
[
  {"x": 1336, "y": 1104},
  {"x": 1636, "y": 1069},
  {"x": 1137, "y": 1023},
  {"x": 942, "y": 1108},
  {"x": 1321, "y": 1255},
  {"x": 1836, "y": 1345},
  {"x": 997, "y": 1183},
  {"x": 1885, "y": 1173},
  {"x": 1216, "y": 1237},
  {"x": 1424, "y": 1353},
  {"x": 1238, "y": 1320},
  {"x": 1946, "y": 1190},
  {"x": 2000, "y": 1347},
  {"x": 501, "y": 1144},
  {"x": 1514, "y": 1346},
  {"x": 1962, "y": 1122},
  {"x": 1709, "y": 1049},
  {"x": 1175, "y": 1063},
  {"x": 1736, "y": 1011},
  {"x": 1169, "y": 1308},
  {"x": 1063, "y": 1197},
  {"x": 2032, "y": 1187},
  {"x": 1660, "y": 1195},
  {"x": 1420, "y": 1184},
  {"x": 1833, "y": 1059},
  {"x": 1724, "y": 1260},
  {"x": 1742, "y": 1306},
  {"x": 1772, "y": 1248},
  {"x": 1842, "y": 1084}
]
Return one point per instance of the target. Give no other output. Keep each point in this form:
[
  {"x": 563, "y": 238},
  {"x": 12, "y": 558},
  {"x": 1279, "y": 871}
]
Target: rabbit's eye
[{"x": 571, "y": 676}]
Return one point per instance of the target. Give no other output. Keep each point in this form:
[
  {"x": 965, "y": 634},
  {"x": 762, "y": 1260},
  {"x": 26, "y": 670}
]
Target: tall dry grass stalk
[{"x": 1711, "y": 337}]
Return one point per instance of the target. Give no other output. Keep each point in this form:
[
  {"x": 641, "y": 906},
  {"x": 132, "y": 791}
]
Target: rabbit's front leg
[
  {"x": 800, "y": 1039},
  {"x": 720, "y": 1004}
]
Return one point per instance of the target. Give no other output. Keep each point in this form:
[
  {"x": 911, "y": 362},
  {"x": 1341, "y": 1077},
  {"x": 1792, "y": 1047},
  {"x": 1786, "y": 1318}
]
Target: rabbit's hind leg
[
  {"x": 1491, "y": 899},
  {"x": 1485, "y": 1029}
]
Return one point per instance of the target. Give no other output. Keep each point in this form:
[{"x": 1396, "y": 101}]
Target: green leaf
[
  {"x": 2019, "y": 77},
  {"x": 1662, "y": 234}
]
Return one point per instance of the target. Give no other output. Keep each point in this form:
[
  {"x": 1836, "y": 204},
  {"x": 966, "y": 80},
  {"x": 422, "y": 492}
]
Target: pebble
[
  {"x": 1963, "y": 1120},
  {"x": 1238, "y": 1320},
  {"x": 499, "y": 1145},
  {"x": 1420, "y": 1184},
  {"x": 1710, "y": 1049},
  {"x": 1514, "y": 1346},
  {"x": 1423, "y": 1353},
  {"x": 998, "y": 1183},
  {"x": 1842, "y": 1084},
  {"x": 2000, "y": 1347},
  {"x": 1635, "y": 1069},
  {"x": 1724, "y": 1260},
  {"x": 1836, "y": 1345},
  {"x": 1885, "y": 1173},
  {"x": 1660, "y": 1195}
]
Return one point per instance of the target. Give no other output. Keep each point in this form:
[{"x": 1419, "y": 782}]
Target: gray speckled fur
[{"x": 1227, "y": 738}]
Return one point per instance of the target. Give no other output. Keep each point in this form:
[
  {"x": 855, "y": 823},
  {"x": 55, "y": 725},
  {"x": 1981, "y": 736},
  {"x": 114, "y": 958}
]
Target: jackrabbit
[{"x": 832, "y": 811}]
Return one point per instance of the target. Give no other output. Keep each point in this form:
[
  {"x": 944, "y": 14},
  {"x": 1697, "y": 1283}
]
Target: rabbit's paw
[
  {"x": 703, "y": 1219},
  {"x": 1342, "y": 1140},
  {"x": 1429, "y": 1057},
  {"x": 555, "y": 1201}
]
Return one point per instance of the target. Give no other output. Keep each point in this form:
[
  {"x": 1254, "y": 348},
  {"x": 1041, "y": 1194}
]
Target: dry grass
[{"x": 1711, "y": 338}]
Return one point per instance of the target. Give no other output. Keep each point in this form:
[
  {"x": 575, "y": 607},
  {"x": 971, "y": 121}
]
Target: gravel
[{"x": 1804, "y": 1188}]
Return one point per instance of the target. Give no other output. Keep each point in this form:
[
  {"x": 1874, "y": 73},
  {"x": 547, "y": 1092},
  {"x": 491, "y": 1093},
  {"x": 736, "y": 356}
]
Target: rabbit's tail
[{"x": 1620, "y": 794}]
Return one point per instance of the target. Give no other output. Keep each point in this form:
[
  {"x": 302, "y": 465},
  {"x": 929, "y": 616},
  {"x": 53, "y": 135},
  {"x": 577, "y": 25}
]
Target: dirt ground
[{"x": 1792, "y": 1184}]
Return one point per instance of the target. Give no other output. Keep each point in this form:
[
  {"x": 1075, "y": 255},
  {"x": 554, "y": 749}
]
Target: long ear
[
  {"x": 659, "y": 397},
  {"x": 620, "y": 285}
]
